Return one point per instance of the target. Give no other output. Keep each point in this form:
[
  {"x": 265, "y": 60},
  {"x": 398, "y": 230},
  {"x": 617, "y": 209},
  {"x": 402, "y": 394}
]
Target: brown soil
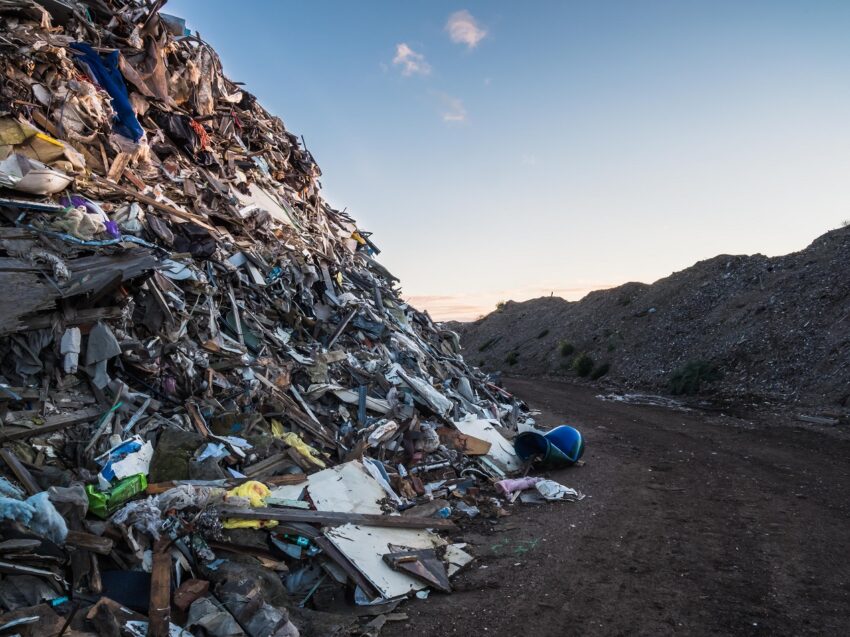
[{"x": 696, "y": 524}]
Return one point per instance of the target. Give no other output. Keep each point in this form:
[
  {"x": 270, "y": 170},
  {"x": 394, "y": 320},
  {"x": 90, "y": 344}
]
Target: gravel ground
[{"x": 696, "y": 524}]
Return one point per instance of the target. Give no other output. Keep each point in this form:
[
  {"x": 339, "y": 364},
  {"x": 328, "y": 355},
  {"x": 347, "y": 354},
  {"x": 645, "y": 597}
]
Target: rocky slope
[{"x": 748, "y": 326}]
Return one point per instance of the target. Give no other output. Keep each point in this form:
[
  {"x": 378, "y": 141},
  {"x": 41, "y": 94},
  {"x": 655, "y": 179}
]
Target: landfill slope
[{"x": 775, "y": 329}]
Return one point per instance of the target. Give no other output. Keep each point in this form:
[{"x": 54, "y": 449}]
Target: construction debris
[{"x": 214, "y": 403}]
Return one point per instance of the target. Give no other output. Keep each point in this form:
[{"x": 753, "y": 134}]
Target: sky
[{"x": 508, "y": 150}]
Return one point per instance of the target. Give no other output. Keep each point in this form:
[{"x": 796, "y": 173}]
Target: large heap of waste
[{"x": 217, "y": 412}]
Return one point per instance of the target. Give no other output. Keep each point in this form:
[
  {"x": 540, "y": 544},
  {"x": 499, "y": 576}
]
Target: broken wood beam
[
  {"x": 54, "y": 423},
  {"x": 180, "y": 214},
  {"x": 159, "y": 612},
  {"x": 20, "y": 471},
  {"x": 155, "y": 488},
  {"x": 89, "y": 542},
  {"x": 269, "y": 465},
  {"x": 335, "y": 518}
]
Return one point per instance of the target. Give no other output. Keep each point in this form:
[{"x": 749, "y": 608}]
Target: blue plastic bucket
[{"x": 559, "y": 447}]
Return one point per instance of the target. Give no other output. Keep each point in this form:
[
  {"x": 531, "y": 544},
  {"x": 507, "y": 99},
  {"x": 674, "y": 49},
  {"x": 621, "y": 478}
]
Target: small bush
[
  {"x": 688, "y": 378},
  {"x": 583, "y": 365},
  {"x": 600, "y": 371},
  {"x": 543, "y": 333},
  {"x": 512, "y": 358},
  {"x": 500, "y": 306},
  {"x": 566, "y": 348},
  {"x": 611, "y": 347}
]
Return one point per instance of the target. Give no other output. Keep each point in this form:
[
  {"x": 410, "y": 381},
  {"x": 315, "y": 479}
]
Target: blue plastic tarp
[{"x": 104, "y": 69}]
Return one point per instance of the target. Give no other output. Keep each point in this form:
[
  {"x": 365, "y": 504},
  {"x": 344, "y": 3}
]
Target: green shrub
[
  {"x": 583, "y": 364},
  {"x": 566, "y": 348},
  {"x": 500, "y": 306},
  {"x": 512, "y": 358},
  {"x": 543, "y": 333},
  {"x": 600, "y": 371},
  {"x": 688, "y": 378},
  {"x": 611, "y": 347}
]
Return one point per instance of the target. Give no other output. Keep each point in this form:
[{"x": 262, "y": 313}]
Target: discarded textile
[{"x": 104, "y": 70}]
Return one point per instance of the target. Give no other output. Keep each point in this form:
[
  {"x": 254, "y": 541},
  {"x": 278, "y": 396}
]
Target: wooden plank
[
  {"x": 20, "y": 471},
  {"x": 11, "y": 264},
  {"x": 89, "y": 542},
  {"x": 197, "y": 419},
  {"x": 25, "y": 393},
  {"x": 186, "y": 216},
  {"x": 72, "y": 317},
  {"x": 469, "y": 445},
  {"x": 54, "y": 423},
  {"x": 159, "y": 612},
  {"x": 268, "y": 465},
  {"x": 334, "y": 518},
  {"x": 289, "y": 478},
  {"x": 155, "y": 488}
]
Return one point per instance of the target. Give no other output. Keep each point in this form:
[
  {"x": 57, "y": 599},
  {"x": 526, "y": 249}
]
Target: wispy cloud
[
  {"x": 453, "y": 108},
  {"x": 463, "y": 29},
  {"x": 411, "y": 62}
]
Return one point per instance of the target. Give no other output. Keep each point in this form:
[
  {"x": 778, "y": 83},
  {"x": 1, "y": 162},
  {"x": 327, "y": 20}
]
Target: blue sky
[{"x": 517, "y": 149}]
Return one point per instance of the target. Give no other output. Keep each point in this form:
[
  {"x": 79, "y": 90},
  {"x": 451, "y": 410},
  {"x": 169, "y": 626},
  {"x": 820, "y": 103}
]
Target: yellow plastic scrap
[
  {"x": 277, "y": 429},
  {"x": 50, "y": 140},
  {"x": 256, "y": 494},
  {"x": 307, "y": 452},
  {"x": 18, "y": 136},
  {"x": 253, "y": 491},
  {"x": 294, "y": 440},
  {"x": 358, "y": 238}
]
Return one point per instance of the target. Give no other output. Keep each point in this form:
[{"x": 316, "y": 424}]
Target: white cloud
[
  {"x": 411, "y": 62},
  {"x": 463, "y": 29},
  {"x": 453, "y": 109}
]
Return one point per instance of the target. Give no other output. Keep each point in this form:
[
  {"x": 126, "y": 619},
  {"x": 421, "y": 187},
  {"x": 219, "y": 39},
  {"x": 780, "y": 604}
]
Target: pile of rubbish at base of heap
[{"x": 217, "y": 415}]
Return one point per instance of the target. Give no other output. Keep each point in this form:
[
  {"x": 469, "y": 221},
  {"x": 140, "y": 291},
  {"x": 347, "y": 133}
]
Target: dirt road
[{"x": 696, "y": 524}]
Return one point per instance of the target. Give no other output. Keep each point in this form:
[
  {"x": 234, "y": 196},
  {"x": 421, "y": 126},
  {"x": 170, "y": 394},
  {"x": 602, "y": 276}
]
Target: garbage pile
[{"x": 217, "y": 414}]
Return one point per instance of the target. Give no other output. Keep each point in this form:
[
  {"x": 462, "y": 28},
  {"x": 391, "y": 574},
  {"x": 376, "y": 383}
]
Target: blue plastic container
[{"x": 559, "y": 447}]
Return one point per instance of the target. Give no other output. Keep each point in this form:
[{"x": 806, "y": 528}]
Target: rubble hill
[
  {"x": 209, "y": 384},
  {"x": 767, "y": 328}
]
